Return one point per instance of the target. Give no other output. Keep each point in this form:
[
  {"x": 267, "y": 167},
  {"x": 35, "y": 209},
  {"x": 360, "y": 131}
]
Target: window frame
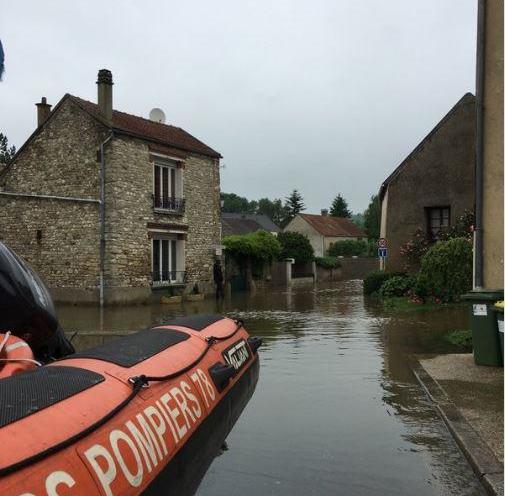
[{"x": 434, "y": 236}]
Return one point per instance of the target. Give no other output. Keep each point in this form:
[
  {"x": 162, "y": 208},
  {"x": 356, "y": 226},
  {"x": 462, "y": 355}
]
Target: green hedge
[
  {"x": 396, "y": 286},
  {"x": 260, "y": 246},
  {"x": 348, "y": 247},
  {"x": 328, "y": 262},
  {"x": 374, "y": 281},
  {"x": 295, "y": 245},
  {"x": 446, "y": 270}
]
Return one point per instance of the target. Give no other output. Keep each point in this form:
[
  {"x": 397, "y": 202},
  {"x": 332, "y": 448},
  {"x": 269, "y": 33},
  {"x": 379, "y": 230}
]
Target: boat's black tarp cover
[
  {"x": 27, "y": 310},
  {"x": 27, "y": 393},
  {"x": 135, "y": 348},
  {"x": 197, "y": 322}
]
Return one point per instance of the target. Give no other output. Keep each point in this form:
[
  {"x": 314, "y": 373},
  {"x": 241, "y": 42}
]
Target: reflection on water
[{"x": 336, "y": 410}]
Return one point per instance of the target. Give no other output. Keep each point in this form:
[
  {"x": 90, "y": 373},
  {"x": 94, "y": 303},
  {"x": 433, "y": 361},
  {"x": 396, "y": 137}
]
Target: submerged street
[{"x": 336, "y": 409}]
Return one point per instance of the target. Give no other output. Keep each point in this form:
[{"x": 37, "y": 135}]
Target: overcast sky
[{"x": 325, "y": 96}]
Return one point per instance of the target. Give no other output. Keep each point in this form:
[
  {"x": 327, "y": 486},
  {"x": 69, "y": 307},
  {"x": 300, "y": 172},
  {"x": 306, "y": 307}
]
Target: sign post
[{"x": 382, "y": 252}]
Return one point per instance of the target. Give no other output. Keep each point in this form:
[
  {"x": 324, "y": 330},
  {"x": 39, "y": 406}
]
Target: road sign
[
  {"x": 382, "y": 243},
  {"x": 383, "y": 252}
]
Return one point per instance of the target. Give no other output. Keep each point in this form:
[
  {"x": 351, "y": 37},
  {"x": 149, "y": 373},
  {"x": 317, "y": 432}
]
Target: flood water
[{"x": 336, "y": 410}]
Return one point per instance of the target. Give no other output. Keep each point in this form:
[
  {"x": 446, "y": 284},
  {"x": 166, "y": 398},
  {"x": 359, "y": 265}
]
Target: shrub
[
  {"x": 259, "y": 246},
  {"x": 328, "y": 262},
  {"x": 374, "y": 281},
  {"x": 297, "y": 246},
  {"x": 348, "y": 247},
  {"x": 396, "y": 286},
  {"x": 415, "y": 249},
  {"x": 446, "y": 269}
]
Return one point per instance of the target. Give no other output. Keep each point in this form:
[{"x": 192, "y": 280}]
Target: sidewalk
[{"x": 469, "y": 399}]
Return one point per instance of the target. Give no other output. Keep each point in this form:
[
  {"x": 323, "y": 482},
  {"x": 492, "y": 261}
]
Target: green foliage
[
  {"x": 446, "y": 270},
  {"x": 233, "y": 203},
  {"x": 460, "y": 338},
  {"x": 372, "y": 217},
  {"x": 359, "y": 220},
  {"x": 294, "y": 205},
  {"x": 257, "y": 246},
  {"x": 349, "y": 247},
  {"x": 339, "y": 207},
  {"x": 295, "y": 245},
  {"x": 463, "y": 228},
  {"x": 6, "y": 152},
  {"x": 396, "y": 286},
  {"x": 415, "y": 249},
  {"x": 374, "y": 281},
  {"x": 328, "y": 262}
]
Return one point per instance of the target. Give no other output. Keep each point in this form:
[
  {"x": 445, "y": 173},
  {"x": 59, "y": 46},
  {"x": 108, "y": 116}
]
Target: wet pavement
[{"x": 337, "y": 409}]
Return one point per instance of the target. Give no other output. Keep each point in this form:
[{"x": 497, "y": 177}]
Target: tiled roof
[
  {"x": 333, "y": 226},
  {"x": 147, "y": 129},
  {"x": 239, "y": 226},
  {"x": 264, "y": 221}
]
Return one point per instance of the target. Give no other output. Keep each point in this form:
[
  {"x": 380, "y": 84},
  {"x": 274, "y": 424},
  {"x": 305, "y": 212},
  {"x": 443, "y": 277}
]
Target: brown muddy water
[{"x": 336, "y": 410}]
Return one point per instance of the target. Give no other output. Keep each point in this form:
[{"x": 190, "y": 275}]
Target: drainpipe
[
  {"x": 102, "y": 216},
  {"x": 478, "y": 281}
]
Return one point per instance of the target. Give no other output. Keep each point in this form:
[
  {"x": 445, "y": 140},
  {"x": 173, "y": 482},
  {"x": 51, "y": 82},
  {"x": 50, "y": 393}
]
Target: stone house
[
  {"x": 233, "y": 223},
  {"x": 110, "y": 207},
  {"x": 434, "y": 185},
  {"x": 324, "y": 230}
]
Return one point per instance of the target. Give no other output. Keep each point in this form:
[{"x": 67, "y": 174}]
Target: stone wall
[
  {"x": 440, "y": 173},
  {"x": 129, "y": 210},
  {"x": 61, "y": 159},
  {"x": 59, "y": 239}
]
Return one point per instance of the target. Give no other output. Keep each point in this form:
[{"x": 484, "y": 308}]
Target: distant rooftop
[
  {"x": 246, "y": 223},
  {"x": 327, "y": 225}
]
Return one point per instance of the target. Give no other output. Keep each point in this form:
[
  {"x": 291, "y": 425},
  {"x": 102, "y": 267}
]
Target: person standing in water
[{"x": 218, "y": 278}]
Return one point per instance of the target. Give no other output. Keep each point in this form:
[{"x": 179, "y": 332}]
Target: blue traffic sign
[{"x": 383, "y": 252}]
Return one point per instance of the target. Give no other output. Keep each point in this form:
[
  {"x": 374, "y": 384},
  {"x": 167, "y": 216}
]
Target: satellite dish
[{"x": 157, "y": 115}]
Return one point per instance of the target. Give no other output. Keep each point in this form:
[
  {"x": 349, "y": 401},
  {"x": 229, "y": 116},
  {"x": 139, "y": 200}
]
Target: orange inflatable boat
[{"x": 143, "y": 414}]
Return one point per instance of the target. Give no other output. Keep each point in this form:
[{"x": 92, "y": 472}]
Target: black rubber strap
[{"x": 138, "y": 383}]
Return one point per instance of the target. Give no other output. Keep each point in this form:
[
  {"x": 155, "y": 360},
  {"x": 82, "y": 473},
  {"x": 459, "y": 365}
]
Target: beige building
[
  {"x": 488, "y": 269},
  {"x": 324, "y": 230},
  {"x": 107, "y": 206}
]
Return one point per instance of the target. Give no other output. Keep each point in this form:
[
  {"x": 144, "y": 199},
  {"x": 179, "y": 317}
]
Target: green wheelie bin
[{"x": 486, "y": 342}]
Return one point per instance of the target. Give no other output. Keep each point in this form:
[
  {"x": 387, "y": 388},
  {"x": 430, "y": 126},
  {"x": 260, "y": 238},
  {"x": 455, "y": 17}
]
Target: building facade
[
  {"x": 434, "y": 186},
  {"x": 111, "y": 207},
  {"x": 488, "y": 271},
  {"x": 324, "y": 230}
]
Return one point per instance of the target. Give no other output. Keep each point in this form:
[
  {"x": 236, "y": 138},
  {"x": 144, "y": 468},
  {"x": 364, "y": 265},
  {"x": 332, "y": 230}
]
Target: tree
[
  {"x": 297, "y": 246},
  {"x": 339, "y": 207},
  {"x": 294, "y": 205},
  {"x": 6, "y": 152},
  {"x": 373, "y": 218},
  {"x": 274, "y": 210},
  {"x": 237, "y": 204}
]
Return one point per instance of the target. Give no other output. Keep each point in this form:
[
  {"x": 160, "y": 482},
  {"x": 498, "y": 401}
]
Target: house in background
[
  {"x": 324, "y": 230},
  {"x": 246, "y": 223},
  {"x": 107, "y": 206},
  {"x": 434, "y": 185}
]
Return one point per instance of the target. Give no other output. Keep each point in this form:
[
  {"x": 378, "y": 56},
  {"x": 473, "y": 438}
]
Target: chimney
[
  {"x": 324, "y": 212},
  {"x": 43, "y": 111},
  {"x": 105, "y": 83}
]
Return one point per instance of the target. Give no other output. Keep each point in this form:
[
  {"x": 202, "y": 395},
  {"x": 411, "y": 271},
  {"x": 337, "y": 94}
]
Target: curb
[{"x": 483, "y": 461}]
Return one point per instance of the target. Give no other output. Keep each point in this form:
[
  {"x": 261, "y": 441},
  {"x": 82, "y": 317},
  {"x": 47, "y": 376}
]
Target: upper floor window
[
  {"x": 168, "y": 187},
  {"x": 438, "y": 218}
]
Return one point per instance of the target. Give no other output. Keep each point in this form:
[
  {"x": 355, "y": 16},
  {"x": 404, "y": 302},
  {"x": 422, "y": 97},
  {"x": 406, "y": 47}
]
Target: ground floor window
[
  {"x": 166, "y": 258},
  {"x": 438, "y": 219}
]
